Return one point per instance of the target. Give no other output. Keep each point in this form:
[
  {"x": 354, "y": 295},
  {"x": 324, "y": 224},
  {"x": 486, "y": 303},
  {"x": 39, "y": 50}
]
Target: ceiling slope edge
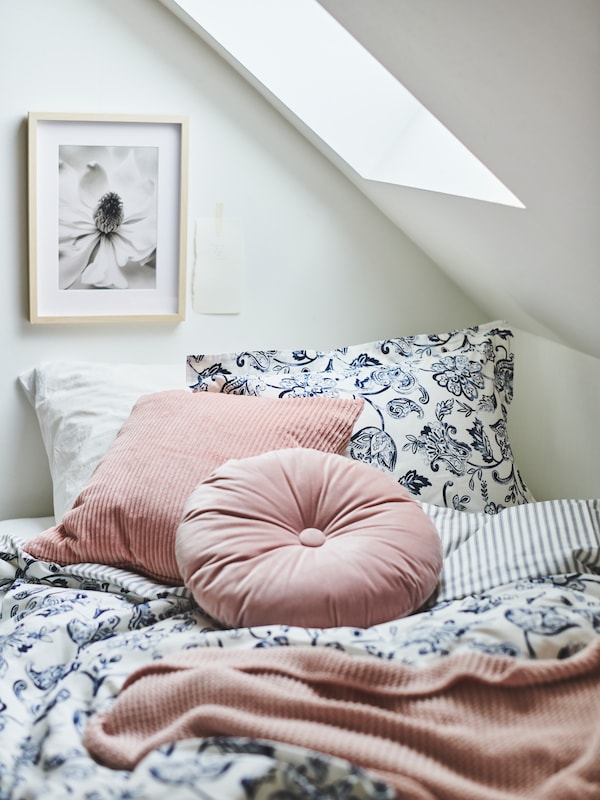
[{"x": 341, "y": 98}]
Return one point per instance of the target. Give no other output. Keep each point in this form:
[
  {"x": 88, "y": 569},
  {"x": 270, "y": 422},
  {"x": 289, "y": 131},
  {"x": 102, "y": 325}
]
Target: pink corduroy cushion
[
  {"x": 306, "y": 538},
  {"x": 128, "y": 513}
]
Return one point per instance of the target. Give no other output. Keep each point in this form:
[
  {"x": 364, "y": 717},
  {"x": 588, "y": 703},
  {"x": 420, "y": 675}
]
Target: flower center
[{"x": 109, "y": 213}]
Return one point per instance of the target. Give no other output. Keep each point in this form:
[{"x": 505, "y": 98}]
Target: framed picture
[{"x": 107, "y": 218}]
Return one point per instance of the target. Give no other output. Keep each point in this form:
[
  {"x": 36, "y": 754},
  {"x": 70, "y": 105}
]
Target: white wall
[
  {"x": 554, "y": 418},
  {"x": 324, "y": 267}
]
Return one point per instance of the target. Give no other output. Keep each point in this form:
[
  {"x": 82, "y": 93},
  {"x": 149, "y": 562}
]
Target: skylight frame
[{"x": 301, "y": 55}]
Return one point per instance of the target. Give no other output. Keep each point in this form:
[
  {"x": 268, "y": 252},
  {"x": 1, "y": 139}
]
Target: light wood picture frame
[{"x": 107, "y": 218}]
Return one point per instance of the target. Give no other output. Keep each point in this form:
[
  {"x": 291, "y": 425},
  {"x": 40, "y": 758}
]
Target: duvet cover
[{"x": 70, "y": 637}]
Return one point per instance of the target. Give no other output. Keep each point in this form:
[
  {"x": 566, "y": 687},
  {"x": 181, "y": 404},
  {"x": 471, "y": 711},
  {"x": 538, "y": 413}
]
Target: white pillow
[{"x": 80, "y": 408}]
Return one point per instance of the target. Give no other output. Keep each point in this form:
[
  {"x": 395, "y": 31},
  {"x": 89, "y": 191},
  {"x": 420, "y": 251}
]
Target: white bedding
[
  {"x": 69, "y": 637},
  {"x": 25, "y": 528}
]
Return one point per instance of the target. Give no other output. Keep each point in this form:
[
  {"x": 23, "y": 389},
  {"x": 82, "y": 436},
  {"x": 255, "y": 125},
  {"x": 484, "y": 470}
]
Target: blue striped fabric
[
  {"x": 91, "y": 576},
  {"x": 534, "y": 540}
]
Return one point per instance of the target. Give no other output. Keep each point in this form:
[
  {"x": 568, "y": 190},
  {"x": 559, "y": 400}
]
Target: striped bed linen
[
  {"x": 530, "y": 541},
  {"x": 481, "y": 551}
]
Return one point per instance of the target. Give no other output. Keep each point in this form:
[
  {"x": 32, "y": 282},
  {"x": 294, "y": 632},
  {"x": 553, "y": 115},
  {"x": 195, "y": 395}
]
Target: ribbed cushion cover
[
  {"x": 306, "y": 538},
  {"x": 128, "y": 513},
  {"x": 471, "y": 726}
]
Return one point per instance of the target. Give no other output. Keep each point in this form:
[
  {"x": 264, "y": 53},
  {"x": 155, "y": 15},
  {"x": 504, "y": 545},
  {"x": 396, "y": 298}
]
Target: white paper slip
[{"x": 218, "y": 265}]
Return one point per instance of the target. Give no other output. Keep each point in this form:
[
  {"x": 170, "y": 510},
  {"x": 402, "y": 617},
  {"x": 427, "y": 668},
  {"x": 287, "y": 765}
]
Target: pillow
[
  {"x": 201, "y": 369},
  {"x": 306, "y": 538},
  {"x": 128, "y": 513},
  {"x": 526, "y": 542},
  {"x": 435, "y": 415},
  {"x": 80, "y": 407}
]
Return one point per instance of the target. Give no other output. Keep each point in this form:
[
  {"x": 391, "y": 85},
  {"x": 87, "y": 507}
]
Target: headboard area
[
  {"x": 435, "y": 408},
  {"x": 470, "y": 419}
]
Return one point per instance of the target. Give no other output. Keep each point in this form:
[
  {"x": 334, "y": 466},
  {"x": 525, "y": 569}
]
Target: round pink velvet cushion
[{"x": 306, "y": 538}]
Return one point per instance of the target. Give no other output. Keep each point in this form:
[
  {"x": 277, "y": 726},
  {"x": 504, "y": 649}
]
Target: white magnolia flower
[{"x": 107, "y": 215}]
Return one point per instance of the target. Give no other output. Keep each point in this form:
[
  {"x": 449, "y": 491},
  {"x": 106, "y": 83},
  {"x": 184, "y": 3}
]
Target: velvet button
[{"x": 311, "y": 537}]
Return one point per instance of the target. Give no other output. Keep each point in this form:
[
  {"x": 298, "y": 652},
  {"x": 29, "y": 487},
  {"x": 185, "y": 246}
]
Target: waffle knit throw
[{"x": 467, "y": 727}]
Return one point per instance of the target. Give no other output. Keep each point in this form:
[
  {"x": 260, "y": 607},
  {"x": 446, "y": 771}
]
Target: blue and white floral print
[
  {"x": 70, "y": 636},
  {"x": 436, "y": 407}
]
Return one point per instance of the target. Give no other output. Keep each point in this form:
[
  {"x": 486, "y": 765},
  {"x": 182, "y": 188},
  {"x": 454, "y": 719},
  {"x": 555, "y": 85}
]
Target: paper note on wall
[{"x": 218, "y": 265}]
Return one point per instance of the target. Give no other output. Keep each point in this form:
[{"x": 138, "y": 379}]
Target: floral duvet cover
[{"x": 70, "y": 636}]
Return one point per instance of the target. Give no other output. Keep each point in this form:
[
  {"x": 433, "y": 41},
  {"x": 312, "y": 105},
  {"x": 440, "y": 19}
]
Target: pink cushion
[
  {"x": 306, "y": 538},
  {"x": 128, "y": 513}
]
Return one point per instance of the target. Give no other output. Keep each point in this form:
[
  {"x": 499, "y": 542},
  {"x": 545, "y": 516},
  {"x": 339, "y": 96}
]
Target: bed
[{"x": 435, "y": 635}]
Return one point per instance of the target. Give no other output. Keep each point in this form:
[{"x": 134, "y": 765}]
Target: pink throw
[{"x": 468, "y": 727}]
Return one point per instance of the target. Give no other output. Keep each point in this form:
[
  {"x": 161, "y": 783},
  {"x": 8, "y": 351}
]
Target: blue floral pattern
[
  {"x": 436, "y": 407},
  {"x": 70, "y": 636}
]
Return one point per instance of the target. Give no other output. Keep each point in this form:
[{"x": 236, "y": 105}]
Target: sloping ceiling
[{"x": 519, "y": 84}]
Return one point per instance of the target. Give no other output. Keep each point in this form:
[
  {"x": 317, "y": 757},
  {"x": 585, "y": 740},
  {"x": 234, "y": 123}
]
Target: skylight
[{"x": 303, "y": 57}]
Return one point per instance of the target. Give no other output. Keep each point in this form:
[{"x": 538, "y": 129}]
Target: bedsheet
[{"x": 70, "y": 636}]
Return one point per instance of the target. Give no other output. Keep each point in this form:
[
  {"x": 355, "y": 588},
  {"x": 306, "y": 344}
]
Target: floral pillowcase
[{"x": 435, "y": 415}]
